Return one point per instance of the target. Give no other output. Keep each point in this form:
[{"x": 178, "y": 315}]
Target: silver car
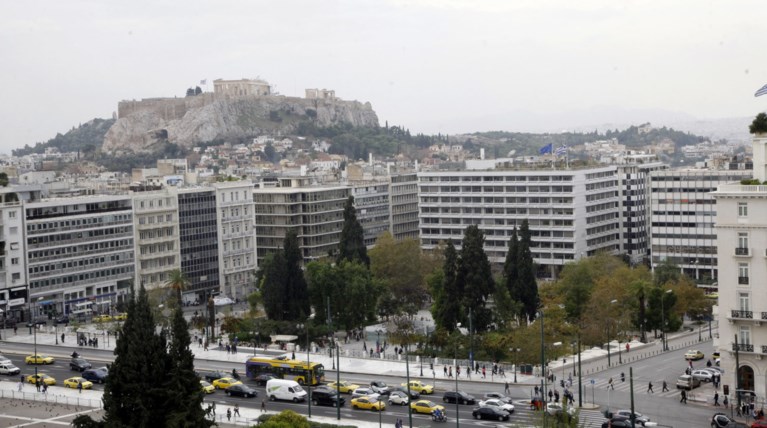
[{"x": 398, "y": 397}]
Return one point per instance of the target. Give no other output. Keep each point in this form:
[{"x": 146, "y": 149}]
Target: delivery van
[{"x": 283, "y": 389}]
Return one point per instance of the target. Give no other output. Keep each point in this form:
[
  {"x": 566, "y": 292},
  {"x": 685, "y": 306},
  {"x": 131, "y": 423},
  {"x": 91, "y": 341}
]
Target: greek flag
[
  {"x": 561, "y": 150},
  {"x": 546, "y": 149},
  {"x": 761, "y": 91}
]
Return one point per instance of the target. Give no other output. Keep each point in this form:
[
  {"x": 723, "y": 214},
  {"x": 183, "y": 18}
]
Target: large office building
[
  {"x": 684, "y": 220},
  {"x": 13, "y": 272},
  {"x": 403, "y": 191},
  {"x": 741, "y": 229},
  {"x": 80, "y": 253},
  {"x": 198, "y": 239},
  {"x": 635, "y": 209},
  {"x": 157, "y": 237},
  {"x": 572, "y": 213},
  {"x": 371, "y": 205}
]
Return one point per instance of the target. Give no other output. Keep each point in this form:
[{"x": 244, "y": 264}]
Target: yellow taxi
[
  {"x": 693, "y": 354},
  {"x": 420, "y": 387},
  {"x": 41, "y": 378},
  {"x": 72, "y": 382},
  {"x": 102, "y": 318},
  {"x": 225, "y": 382},
  {"x": 207, "y": 387},
  {"x": 343, "y": 386},
  {"x": 368, "y": 403},
  {"x": 425, "y": 406},
  {"x": 122, "y": 316},
  {"x": 38, "y": 359}
]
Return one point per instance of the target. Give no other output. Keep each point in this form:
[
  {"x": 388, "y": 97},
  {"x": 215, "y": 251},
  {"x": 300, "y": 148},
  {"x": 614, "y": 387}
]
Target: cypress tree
[
  {"x": 352, "y": 245},
  {"x": 273, "y": 273},
  {"x": 510, "y": 267},
  {"x": 296, "y": 290},
  {"x": 475, "y": 277},
  {"x": 528, "y": 286},
  {"x": 447, "y": 306}
]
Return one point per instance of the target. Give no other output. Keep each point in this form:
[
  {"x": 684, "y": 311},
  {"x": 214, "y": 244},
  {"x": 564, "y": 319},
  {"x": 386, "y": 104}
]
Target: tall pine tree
[
  {"x": 352, "y": 245},
  {"x": 296, "y": 291},
  {"x": 511, "y": 268},
  {"x": 475, "y": 278},
  {"x": 272, "y": 276},
  {"x": 528, "y": 286},
  {"x": 447, "y": 304}
]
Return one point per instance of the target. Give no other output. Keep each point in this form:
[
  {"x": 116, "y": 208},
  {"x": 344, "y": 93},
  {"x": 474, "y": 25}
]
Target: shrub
[{"x": 759, "y": 125}]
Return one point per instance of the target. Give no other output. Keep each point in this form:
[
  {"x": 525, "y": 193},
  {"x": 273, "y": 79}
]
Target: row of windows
[
  {"x": 688, "y": 213},
  {"x": 157, "y": 202},
  {"x": 157, "y": 233},
  {"x": 69, "y": 280},
  {"x": 151, "y": 219},
  {"x": 76, "y": 223},
  {"x": 500, "y": 189},
  {"x": 496, "y": 178},
  {"x": 683, "y": 189},
  {"x": 157, "y": 248},
  {"x": 83, "y": 263},
  {"x": 88, "y": 234},
  {"x": 684, "y": 249},
  {"x": 121, "y": 244},
  {"x": 600, "y": 196},
  {"x": 683, "y": 201}
]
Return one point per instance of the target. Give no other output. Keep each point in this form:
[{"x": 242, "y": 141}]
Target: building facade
[
  {"x": 684, "y": 214},
  {"x": 198, "y": 240},
  {"x": 372, "y": 205},
  {"x": 155, "y": 219},
  {"x": 571, "y": 213},
  {"x": 741, "y": 227},
  {"x": 635, "y": 210},
  {"x": 236, "y": 238},
  {"x": 403, "y": 221}
]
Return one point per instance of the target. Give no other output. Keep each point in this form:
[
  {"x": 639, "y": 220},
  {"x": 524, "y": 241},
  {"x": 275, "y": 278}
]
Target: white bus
[{"x": 82, "y": 309}]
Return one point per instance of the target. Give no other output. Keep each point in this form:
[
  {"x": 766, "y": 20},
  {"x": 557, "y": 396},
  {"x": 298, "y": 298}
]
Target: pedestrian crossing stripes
[{"x": 639, "y": 387}]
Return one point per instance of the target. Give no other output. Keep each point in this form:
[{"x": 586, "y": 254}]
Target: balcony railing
[
  {"x": 742, "y": 251},
  {"x": 743, "y": 280},
  {"x": 743, "y": 347},
  {"x": 764, "y": 349},
  {"x": 742, "y": 314}
]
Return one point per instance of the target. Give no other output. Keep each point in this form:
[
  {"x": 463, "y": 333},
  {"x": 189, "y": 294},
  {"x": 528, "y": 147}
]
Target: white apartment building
[
  {"x": 236, "y": 238},
  {"x": 78, "y": 249},
  {"x": 157, "y": 245},
  {"x": 572, "y": 213},
  {"x": 13, "y": 274},
  {"x": 315, "y": 212},
  {"x": 684, "y": 213},
  {"x": 635, "y": 209},
  {"x": 741, "y": 223},
  {"x": 403, "y": 221},
  {"x": 371, "y": 204}
]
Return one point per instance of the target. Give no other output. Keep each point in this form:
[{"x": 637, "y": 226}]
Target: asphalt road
[{"x": 661, "y": 407}]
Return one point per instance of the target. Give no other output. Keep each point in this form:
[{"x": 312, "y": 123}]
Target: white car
[
  {"x": 398, "y": 397},
  {"x": 554, "y": 409},
  {"x": 364, "y": 392},
  {"x": 703, "y": 375},
  {"x": 494, "y": 402},
  {"x": 498, "y": 396},
  {"x": 222, "y": 301}
]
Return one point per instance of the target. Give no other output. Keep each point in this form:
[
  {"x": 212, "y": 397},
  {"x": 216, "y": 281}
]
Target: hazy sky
[{"x": 430, "y": 65}]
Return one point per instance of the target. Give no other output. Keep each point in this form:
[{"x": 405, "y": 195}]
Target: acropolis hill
[{"x": 235, "y": 109}]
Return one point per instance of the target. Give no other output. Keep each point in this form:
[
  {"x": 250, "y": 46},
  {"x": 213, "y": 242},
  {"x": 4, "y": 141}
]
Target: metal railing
[
  {"x": 742, "y": 251},
  {"x": 743, "y": 280},
  {"x": 743, "y": 347},
  {"x": 742, "y": 314}
]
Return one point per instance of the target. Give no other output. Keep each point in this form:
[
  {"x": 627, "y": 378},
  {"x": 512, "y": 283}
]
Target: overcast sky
[{"x": 429, "y": 65}]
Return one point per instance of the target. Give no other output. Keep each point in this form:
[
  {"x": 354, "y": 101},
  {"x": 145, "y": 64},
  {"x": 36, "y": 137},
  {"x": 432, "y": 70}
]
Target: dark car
[
  {"x": 241, "y": 390},
  {"x": 98, "y": 375},
  {"x": 414, "y": 395},
  {"x": 639, "y": 418},
  {"x": 617, "y": 422},
  {"x": 265, "y": 377},
  {"x": 493, "y": 413},
  {"x": 218, "y": 374},
  {"x": 38, "y": 321},
  {"x": 63, "y": 319},
  {"x": 459, "y": 396},
  {"x": 79, "y": 364},
  {"x": 326, "y": 397},
  {"x": 721, "y": 420}
]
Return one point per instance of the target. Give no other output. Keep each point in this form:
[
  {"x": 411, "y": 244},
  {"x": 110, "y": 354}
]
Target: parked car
[
  {"x": 79, "y": 364},
  {"x": 493, "y": 413},
  {"x": 638, "y": 417},
  {"x": 687, "y": 382},
  {"x": 398, "y": 397},
  {"x": 693, "y": 354},
  {"x": 324, "y": 396},
  {"x": 721, "y": 420},
  {"x": 417, "y": 385},
  {"x": 41, "y": 378},
  {"x": 74, "y": 382},
  {"x": 241, "y": 390},
  {"x": 459, "y": 396},
  {"x": 98, "y": 375}
]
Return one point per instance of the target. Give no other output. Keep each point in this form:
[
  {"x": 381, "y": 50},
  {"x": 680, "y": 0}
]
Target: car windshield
[{"x": 297, "y": 388}]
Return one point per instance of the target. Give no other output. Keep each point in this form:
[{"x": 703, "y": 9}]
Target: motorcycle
[
  {"x": 235, "y": 375},
  {"x": 438, "y": 417}
]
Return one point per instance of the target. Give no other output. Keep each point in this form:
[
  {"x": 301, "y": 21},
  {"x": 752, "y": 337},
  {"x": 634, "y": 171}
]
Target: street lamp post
[
  {"x": 620, "y": 360},
  {"x": 515, "y": 351},
  {"x": 308, "y": 381},
  {"x": 663, "y": 341}
]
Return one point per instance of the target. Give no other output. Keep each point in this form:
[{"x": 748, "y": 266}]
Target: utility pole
[
  {"x": 580, "y": 385},
  {"x": 631, "y": 386}
]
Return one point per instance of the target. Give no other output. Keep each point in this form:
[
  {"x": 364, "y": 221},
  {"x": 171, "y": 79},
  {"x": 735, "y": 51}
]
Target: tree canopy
[
  {"x": 397, "y": 265},
  {"x": 474, "y": 278},
  {"x": 283, "y": 287},
  {"x": 352, "y": 244}
]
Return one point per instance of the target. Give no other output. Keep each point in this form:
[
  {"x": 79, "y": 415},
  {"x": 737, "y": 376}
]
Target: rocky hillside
[{"x": 193, "y": 121}]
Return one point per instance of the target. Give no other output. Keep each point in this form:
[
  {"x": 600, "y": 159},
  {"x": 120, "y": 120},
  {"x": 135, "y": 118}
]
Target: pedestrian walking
[
  {"x": 684, "y": 397},
  {"x": 62, "y": 337},
  {"x": 213, "y": 408},
  {"x": 556, "y": 395},
  {"x": 665, "y": 386},
  {"x": 716, "y": 399},
  {"x": 444, "y": 370},
  {"x": 80, "y": 387},
  {"x": 649, "y": 388},
  {"x": 610, "y": 384},
  {"x": 236, "y": 409},
  {"x": 483, "y": 372},
  {"x": 263, "y": 406},
  {"x": 468, "y": 372},
  {"x": 450, "y": 372},
  {"x": 551, "y": 395},
  {"x": 45, "y": 388},
  {"x": 229, "y": 414},
  {"x": 536, "y": 391},
  {"x": 506, "y": 388},
  {"x": 457, "y": 371},
  {"x": 37, "y": 384}
]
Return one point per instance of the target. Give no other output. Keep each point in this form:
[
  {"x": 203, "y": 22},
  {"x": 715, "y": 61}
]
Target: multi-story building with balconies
[
  {"x": 572, "y": 213},
  {"x": 371, "y": 204},
  {"x": 741, "y": 229},
  {"x": 684, "y": 213},
  {"x": 78, "y": 249},
  {"x": 13, "y": 272},
  {"x": 236, "y": 237},
  {"x": 156, "y": 222},
  {"x": 403, "y": 223}
]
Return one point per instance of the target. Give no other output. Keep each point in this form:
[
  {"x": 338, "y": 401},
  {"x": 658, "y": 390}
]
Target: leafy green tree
[
  {"x": 447, "y": 307},
  {"x": 338, "y": 285},
  {"x": 352, "y": 245},
  {"x": 3, "y": 179},
  {"x": 759, "y": 125},
  {"x": 398, "y": 266},
  {"x": 576, "y": 282},
  {"x": 665, "y": 272},
  {"x": 528, "y": 286},
  {"x": 286, "y": 419},
  {"x": 475, "y": 278}
]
